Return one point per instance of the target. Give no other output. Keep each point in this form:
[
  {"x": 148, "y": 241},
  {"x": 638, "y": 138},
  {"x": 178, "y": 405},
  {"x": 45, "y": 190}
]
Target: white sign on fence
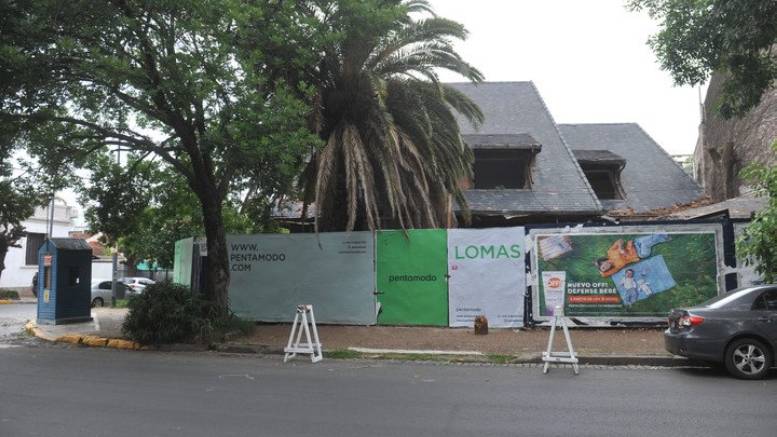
[{"x": 487, "y": 276}]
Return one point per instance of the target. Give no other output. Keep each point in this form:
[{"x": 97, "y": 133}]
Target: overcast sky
[{"x": 588, "y": 58}]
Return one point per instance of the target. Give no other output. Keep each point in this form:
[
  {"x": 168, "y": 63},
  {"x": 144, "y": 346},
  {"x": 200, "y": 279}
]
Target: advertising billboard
[{"x": 616, "y": 272}]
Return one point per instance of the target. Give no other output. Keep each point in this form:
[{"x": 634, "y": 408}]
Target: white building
[{"x": 21, "y": 263}]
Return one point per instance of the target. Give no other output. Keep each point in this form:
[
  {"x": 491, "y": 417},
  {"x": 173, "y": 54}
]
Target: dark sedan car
[{"x": 738, "y": 329}]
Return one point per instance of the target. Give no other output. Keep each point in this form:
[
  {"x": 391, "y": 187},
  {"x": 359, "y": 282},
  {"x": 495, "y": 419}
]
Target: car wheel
[
  {"x": 748, "y": 358},
  {"x": 97, "y": 302}
]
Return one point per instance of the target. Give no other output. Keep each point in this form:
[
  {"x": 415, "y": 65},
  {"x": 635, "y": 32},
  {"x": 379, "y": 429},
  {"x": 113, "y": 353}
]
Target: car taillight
[{"x": 689, "y": 320}]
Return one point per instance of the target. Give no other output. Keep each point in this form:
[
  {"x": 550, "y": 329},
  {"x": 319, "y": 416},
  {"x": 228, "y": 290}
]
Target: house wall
[
  {"x": 102, "y": 269},
  {"x": 17, "y": 274},
  {"x": 725, "y": 147}
]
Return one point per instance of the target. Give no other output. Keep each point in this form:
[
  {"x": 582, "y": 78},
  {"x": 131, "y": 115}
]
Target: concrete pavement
[
  {"x": 53, "y": 390},
  {"x": 106, "y": 322},
  {"x": 595, "y": 346}
]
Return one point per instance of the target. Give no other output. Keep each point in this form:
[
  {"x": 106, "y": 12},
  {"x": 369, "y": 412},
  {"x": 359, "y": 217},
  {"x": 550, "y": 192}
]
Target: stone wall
[{"x": 726, "y": 146}]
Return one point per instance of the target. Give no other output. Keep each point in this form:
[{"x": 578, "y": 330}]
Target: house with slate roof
[
  {"x": 528, "y": 169},
  {"x": 537, "y": 178},
  {"x": 630, "y": 173}
]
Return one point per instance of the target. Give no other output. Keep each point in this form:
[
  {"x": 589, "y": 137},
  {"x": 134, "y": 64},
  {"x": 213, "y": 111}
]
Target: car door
[
  {"x": 765, "y": 306},
  {"x": 105, "y": 291}
]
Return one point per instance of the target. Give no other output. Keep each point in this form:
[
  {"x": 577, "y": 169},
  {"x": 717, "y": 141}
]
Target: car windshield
[{"x": 725, "y": 299}]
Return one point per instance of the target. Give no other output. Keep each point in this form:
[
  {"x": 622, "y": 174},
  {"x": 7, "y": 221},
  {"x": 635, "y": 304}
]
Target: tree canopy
[
  {"x": 733, "y": 37},
  {"x": 18, "y": 195},
  {"x": 144, "y": 207},
  {"x": 208, "y": 88}
]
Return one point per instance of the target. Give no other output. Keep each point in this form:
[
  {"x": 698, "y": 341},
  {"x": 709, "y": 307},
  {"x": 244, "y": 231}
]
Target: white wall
[
  {"x": 102, "y": 269},
  {"x": 17, "y": 274}
]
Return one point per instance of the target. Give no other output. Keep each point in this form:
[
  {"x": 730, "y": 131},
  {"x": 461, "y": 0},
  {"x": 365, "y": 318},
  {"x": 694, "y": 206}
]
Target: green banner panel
[
  {"x": 412, "y": 285},
  {"x": 182, "y": 261},
  {"x": 624, "y": 274}
]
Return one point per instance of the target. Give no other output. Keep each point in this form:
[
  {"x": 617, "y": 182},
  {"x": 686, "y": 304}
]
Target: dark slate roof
[
  {"x": 527, "y": 202},
  {"x": 598, "y": 157},
  {"x": 651, "y": 178},
  {"x": 70, "y": 244},
  {"x": 742, "y": 207},
  {"x": 558, "y": 184},
  {"x": 510, "y": 141}
]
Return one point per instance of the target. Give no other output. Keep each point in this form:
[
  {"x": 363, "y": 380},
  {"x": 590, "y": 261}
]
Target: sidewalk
[
  {"x": 106, "y": 323},
  {"x": 638, "y": 346},
  {"x": 498, "y": 341}
]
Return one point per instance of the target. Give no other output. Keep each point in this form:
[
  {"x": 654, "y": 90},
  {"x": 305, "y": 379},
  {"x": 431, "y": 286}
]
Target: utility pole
[
  {"x": 115, "y": 257},
  {"x": 50, "y": 218}
]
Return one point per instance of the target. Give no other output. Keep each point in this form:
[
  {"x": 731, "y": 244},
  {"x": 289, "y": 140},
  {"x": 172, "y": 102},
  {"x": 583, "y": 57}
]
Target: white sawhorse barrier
[
  {"x": 560, "y": 357},
  {"x": 307, "y": 325}
]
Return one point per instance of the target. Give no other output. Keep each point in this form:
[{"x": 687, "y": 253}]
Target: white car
[
  {"x": 101, "y": 292},
  {"x": 136, "y": 284}
]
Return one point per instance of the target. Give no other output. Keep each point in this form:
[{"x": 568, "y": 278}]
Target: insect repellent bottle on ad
[{"x": 553, "y": 284}]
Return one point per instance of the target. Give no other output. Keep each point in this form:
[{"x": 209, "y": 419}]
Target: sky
[{"x": 589, "y": 59}]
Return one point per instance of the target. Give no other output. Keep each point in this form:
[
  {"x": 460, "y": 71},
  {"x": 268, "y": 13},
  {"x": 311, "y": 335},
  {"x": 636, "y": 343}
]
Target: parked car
[
  {"x": 101, "y": 291},
  {"x": 738, "y": 329},
  {"x": 136, "y": 284}
]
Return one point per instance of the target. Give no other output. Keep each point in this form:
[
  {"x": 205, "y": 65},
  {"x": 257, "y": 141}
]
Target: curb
[
  {"x": 84, "y": 340},
  {"x": 17, "y": 301}
]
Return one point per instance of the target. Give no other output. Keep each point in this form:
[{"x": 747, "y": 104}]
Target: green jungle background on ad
[{"x": 689, "y": 257}]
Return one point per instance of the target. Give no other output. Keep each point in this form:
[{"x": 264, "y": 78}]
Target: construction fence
[{"x": 603, "y": 274}]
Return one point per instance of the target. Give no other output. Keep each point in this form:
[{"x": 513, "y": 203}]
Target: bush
[
  {"x": 163, "y": 313},
  {"x": 169, "y": 313},
  {"x": 9, "y": 294}
]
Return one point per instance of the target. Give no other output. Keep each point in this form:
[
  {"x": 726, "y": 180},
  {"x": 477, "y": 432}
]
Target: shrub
[
  {"x": 169, "y": 313},
  {"x": 8, "y": 294},
  {"x": 163, "y": 313}
]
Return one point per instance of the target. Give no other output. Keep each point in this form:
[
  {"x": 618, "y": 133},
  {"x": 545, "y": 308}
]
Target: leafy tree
[
  {"x": 393, "y": 155},
  {"x": 734, "y": 37},
  {"x": 18, "y": 196},
  {"x": 144, "y": 208},
  {"x": 208, "y": 88},
  {"x": 758, "y": 244}
]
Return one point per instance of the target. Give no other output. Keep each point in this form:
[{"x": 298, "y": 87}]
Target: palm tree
[{"x": 393, "y": 154}]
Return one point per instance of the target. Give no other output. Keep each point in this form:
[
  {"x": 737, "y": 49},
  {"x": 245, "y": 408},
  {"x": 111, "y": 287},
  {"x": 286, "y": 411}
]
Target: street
[{"x": 54, "y": 390}]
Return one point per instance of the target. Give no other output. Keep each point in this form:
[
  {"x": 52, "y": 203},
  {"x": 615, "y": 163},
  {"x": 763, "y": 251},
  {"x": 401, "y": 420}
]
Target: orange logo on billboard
[{"x": 554, "y": 282}]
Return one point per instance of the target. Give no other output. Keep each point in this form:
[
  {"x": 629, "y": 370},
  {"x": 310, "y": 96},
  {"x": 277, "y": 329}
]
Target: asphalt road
[{"x": 54, "y": 390}]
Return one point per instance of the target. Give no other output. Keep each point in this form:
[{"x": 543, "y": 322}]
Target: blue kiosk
[{"x": 64, "y": 284}]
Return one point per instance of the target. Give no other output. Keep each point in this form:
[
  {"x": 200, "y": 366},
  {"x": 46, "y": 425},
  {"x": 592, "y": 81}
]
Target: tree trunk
[
  {"x": 217, "y": 280},
  {"x": 3, "y": 252}
]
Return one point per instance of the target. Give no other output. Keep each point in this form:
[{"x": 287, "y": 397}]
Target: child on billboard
[{"x": 619, "y": 255}]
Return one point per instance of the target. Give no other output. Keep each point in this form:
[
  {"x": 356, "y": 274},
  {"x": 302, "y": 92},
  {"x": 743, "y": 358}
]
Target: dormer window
[
  {"x": 602, "y": 168},
  {"x": 502, "y": 161}
]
